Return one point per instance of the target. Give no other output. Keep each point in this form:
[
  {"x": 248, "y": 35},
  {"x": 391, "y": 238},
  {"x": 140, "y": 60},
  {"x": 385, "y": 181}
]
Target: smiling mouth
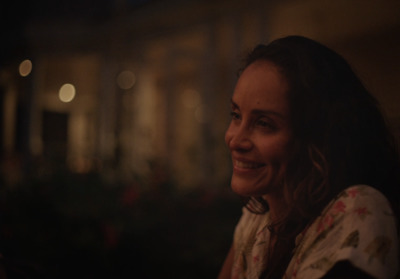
[{"x": 247, "y": 165}]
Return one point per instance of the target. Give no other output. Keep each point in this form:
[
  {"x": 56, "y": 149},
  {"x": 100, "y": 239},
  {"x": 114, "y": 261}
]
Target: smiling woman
[
  {"x": 259, "y": 135},
  {"x": 314, "y": 160}
]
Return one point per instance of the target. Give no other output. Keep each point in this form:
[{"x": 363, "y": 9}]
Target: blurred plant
[{"x": 78, "y": 225}]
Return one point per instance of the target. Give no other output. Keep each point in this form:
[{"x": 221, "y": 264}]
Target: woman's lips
[{"x": 238, "y": 164}]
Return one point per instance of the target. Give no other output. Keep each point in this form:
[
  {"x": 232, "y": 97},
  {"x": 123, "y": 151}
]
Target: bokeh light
[
  {"x": 25, "y": 67},
  {"x": 126, "y": 80},
  {"x": 67, "y": 93}
]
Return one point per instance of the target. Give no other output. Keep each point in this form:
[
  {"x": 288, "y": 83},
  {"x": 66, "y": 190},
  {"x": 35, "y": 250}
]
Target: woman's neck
[{"x": 277, "y": 207}]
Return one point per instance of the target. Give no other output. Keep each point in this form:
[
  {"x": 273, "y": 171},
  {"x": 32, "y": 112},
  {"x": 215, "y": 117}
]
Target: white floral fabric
[{"x": 358, "y": 226}]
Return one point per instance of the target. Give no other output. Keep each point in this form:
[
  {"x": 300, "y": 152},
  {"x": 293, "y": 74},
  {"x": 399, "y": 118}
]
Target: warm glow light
[
  {"x": 25, "y": 67},
  {"x": 67, "y": 93},
  {"x": 126, "y": 80},
  {"x": 201, "y": 114}
]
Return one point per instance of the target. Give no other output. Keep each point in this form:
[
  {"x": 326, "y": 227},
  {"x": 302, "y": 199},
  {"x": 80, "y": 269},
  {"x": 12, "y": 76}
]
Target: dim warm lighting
[
  {"x": 201, "y": 114},
  {"x": 67, "y": 93},
  {"x": 126, "y": 80},
  {"x": 25, "y": 67},
  {"x": 190, "y": 98}
]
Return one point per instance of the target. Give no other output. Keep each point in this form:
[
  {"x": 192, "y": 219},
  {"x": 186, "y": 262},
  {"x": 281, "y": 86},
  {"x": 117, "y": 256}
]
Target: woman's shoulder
[
  {"x": 361, "y": 190},
  {"x": 357, "y": 226},
  {"x": 359, "y": 199},
  {"x": 359, "y": 208}
]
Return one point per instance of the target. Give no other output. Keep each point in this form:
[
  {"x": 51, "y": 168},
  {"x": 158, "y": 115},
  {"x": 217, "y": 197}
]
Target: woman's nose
[{"x": 238, "y": 139}]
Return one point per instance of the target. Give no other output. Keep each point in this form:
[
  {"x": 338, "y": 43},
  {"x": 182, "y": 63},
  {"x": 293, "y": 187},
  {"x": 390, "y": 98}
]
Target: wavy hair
[{"x": 340, "y": 136}]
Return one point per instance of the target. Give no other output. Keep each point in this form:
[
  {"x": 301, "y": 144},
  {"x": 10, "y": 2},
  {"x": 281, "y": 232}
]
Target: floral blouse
[{"x": 358, "y": 226}]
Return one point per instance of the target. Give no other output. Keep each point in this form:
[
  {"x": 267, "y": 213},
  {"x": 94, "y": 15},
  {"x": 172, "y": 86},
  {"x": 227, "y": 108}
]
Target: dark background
[{"x": 58, "y": 223}]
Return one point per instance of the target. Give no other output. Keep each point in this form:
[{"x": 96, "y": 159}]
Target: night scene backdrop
[{"x": 113, "y": 112}]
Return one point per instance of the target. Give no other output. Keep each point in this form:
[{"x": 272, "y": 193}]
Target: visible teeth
[{"x": 245, "y": 165}]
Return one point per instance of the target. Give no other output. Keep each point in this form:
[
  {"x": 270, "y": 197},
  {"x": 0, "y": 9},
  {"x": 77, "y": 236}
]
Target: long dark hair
[{"x": 340, "y": 137}]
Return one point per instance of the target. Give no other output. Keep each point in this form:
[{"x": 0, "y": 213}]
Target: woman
[{"x": 314, "y": 160}]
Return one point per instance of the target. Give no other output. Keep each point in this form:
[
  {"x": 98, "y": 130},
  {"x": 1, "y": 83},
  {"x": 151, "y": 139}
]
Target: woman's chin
[{"x": 243, "y": 191}]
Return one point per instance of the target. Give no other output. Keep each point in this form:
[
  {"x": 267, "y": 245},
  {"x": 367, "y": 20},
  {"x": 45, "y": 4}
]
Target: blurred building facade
[{"x": 152, "y": 84}]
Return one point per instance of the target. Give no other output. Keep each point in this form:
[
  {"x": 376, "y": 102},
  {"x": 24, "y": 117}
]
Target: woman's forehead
[{"x": 261, "y": 86}]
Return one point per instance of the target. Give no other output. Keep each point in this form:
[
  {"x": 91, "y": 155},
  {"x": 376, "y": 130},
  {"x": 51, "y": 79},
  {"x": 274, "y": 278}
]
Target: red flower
[
  {"x": 339, "y": 206},
  {"x": 362, "y": 212},
  {"x": 325, "y": 223},
  {"x": 353, "y": 192}
]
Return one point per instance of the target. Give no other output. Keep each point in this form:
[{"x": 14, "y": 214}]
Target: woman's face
[{"x": 259, "y": 136}]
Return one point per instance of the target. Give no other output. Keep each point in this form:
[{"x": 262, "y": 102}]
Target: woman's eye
[
  {"x": 235, "y": 115},
  {"x": 265, "y": 124}
]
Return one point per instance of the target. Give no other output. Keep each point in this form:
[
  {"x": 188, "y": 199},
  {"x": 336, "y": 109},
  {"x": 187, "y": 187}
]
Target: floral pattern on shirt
[{"x": 358, "y": 226}]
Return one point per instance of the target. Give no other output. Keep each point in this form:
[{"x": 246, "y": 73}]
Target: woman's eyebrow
[
  {"x": 234, "y": 105},
  {"x": 259, "y": 111},
  {"x": 267, "y": 112}
]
